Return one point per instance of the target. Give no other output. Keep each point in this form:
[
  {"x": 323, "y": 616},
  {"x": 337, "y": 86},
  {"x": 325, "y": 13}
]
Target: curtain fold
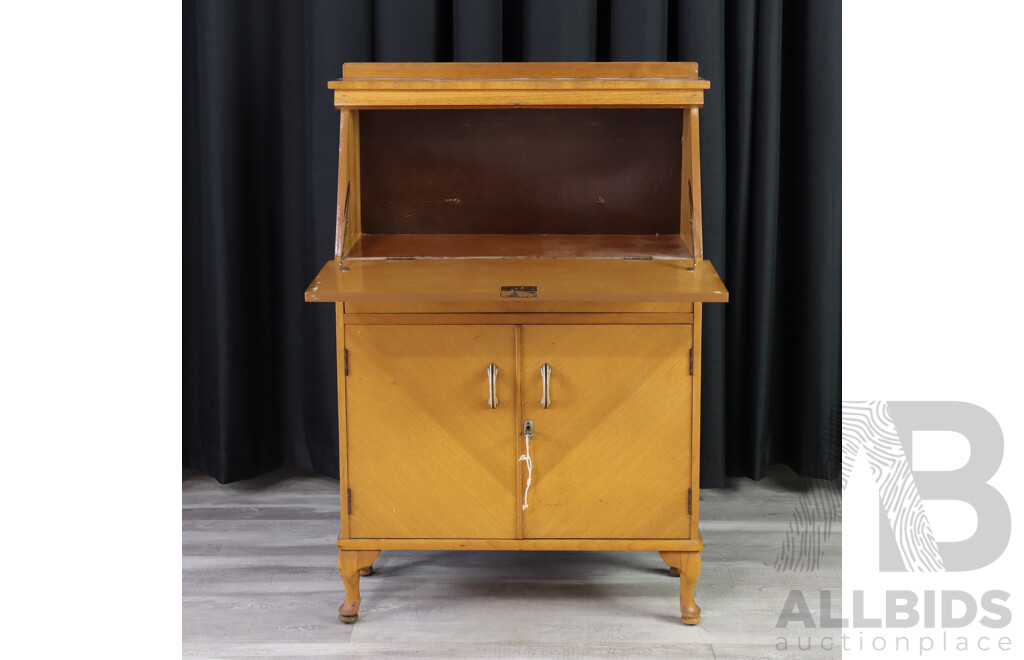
[
  {"x": 564, "y": 31},
  {"x": 638, "y": 31},
  {"x": 412, "y": 31},
  {"x": 477, "y": 35},
  {"x": 752, "y": 190},
  {"x": 260, "y": 167}
]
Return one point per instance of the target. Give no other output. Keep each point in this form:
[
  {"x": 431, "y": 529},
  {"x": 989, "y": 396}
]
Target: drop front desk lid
[{"x": 543, "y": 279}]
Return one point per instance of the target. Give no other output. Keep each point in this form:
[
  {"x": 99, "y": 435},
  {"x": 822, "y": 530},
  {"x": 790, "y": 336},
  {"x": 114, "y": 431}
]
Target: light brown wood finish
[
  {"x": 649, "y": 545},
  {"x": 520, "y": 442},
  {"x": 694, "y": 506},
  {"x": 427, "y": 456},
  {"x": 673, "y": 559},
  {"x": 513, "y": 306},
  {"x": 691, "y": 183},
  {"x": 484, "y": 70},
  {"x": 511, "y": 246},
  {"x": 520, "y": 84},
  {"x": 521, "y": 319},
  {"x": 395, "y": 99},
  {"x": 609, "y": 452},
  {"x": 425, "y": 461},
  {"x": 551, "y": 85},
  {"x": 339, "y": 333},
  {"x": 465, "y": 280},
  {"x": 689, "y": 573},
  {"x": 355, "y": 213},
  {"x": 686, "y": 566},
  {"x": 365, "y": 560},
  {"x": 685, "y": 199},
  {"x": 341, "y": 241},
  {"x": 347, "y": 218},
  {"x": 350, "y": 565}
]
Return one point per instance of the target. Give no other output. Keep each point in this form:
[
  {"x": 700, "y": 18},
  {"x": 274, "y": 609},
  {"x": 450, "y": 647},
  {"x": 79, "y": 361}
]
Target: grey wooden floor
[{"x": 259, "y": 578}]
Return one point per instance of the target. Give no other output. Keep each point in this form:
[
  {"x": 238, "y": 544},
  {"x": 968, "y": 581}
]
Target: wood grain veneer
[{"x": 499, "y": 224}]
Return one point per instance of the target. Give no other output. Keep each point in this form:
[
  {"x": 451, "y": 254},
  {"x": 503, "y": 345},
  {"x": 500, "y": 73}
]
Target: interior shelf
[{"x": 518, "y": 246}]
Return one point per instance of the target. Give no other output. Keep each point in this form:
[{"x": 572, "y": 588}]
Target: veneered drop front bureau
[{"x": 519, "y": 281}]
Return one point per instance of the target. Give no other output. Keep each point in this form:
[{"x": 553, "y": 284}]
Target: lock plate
[
  {"x": 518, "y": 292},
  {"x": 528, "y": 428}
]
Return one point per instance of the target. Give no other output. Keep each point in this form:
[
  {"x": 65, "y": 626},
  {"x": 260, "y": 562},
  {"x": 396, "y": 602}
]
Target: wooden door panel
[
  {"x": 427, "y": 456},
  {"x": 611, "y": 455}
]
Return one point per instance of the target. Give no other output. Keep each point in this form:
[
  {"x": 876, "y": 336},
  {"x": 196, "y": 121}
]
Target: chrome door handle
[
  {"x": 545, "y": 375},
  {"x": 492, "y": 382}
]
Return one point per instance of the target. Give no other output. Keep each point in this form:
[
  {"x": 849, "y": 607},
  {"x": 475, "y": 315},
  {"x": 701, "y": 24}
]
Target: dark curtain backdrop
[{"x": 260, "y": 161}]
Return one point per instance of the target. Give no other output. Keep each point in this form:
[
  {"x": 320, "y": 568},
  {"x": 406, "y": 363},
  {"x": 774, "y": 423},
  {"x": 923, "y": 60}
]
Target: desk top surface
[{"x": 562, "y": 280}]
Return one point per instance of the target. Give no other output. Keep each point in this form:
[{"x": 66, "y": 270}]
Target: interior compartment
[{"x": 569, "y": 183}]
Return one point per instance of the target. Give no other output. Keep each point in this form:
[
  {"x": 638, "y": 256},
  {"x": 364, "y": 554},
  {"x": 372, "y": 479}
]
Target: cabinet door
[
  {"x": 611, "y": 454},
  {"x": 428, "y": 457}
]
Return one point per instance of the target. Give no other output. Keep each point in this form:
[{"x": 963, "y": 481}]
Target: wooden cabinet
[{"x": 519, "y": 284}]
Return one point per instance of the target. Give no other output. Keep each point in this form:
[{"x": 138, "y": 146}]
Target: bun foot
[{"x": 691, "y": 621}]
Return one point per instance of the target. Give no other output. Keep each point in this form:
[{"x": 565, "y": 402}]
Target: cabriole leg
[
  {"x": 688, "y": 565},
  {"x": 350, "y": 565},
  {"x": 689, "y": 572}
]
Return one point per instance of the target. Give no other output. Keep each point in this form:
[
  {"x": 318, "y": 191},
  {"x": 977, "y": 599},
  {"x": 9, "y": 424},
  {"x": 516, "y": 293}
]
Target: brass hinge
[
  {"x": 691, "y": 362},
  {"x": 639, "y": 258},
  {"x": 350, "y": 501},
  {"x": 689, "y": 501},
  {"x": 346, "y": 363},
  {"x": 401, "y": 258}
]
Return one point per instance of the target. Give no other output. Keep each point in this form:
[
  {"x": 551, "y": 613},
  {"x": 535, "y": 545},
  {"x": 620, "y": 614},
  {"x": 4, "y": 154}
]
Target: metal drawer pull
[
  {"x": 545, "y": 375},
  {"x": 492, "y": 381}
]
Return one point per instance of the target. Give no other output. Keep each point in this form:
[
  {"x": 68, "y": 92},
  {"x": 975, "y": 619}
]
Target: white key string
[{"x": 529, "y": 471}]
